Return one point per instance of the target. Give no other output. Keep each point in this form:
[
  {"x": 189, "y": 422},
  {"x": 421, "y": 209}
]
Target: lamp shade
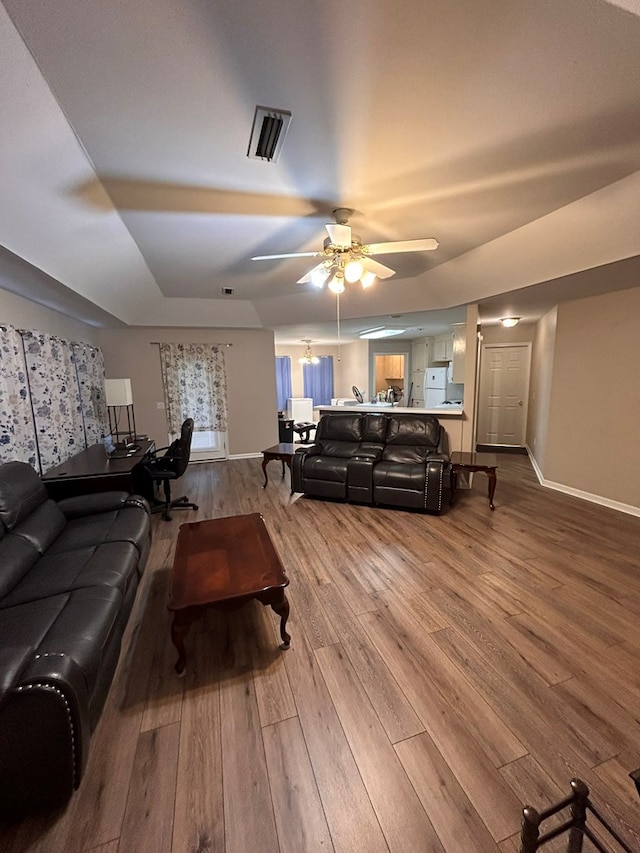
[{"x": 118, "y": 392}]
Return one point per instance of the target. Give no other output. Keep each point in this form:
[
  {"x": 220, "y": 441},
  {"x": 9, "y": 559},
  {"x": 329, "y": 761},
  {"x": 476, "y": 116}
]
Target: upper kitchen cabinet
[
  {"x": 393, "y": 367},
  {"x": 442, "y": 348},
  {"x": 419, "y": 361},
  {"x": 459, "y": 342}
]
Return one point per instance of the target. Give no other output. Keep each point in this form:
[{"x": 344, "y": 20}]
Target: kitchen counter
[{"x": 445, "y": 411}]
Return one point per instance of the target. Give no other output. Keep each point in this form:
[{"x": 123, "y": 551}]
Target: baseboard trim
[
  {"x": 244, "y": 456},
  {"x": 578, "y": 493}
]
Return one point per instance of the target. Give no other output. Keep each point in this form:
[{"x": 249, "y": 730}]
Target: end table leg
[
  {"x": 492, "y": 487},
  {"x": 282, "y": 609},
  {"x": 264, "y": 471}
]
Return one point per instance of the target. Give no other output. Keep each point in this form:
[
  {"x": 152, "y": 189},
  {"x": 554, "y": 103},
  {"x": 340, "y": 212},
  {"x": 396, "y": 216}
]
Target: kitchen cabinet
[
  {"x": 419, "y": 362},
  {"x": 393, "y": 367},
  {"x": 443, "y": 348},
  {"x": 459, "y": 352}
]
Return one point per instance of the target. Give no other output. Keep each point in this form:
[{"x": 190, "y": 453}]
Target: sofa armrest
[
  {"x": 437, "y": 482},
  {"x": 297, "y": 465},
  {"x": 438, "y": 457},
  {"x": 443, "y": 442},
  {"x": 369, "y": 451},
  {"x": 13, "y": 661},
  {"x": 81, "y": 505}
]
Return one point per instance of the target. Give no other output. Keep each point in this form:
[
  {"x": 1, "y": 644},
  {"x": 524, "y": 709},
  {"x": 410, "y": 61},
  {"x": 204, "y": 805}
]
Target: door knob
[{"x": 520, "y": 402}]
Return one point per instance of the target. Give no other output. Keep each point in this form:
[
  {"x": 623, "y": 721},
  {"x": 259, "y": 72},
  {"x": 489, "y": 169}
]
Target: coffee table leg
[
  {"x": 179, "y": 630},
  {"x": 282, "y": 609}
]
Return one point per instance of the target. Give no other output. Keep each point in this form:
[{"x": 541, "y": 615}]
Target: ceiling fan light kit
[{"x": 346, "y": 258}]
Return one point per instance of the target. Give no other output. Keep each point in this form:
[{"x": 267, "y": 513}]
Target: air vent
[
  {"x": 267, "y": 134},
  {"x": 226, "y": 291}
]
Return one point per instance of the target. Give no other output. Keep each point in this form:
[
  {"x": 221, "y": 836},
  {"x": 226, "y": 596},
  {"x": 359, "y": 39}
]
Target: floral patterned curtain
[
  {"x": 55, "y": 398},
  {"x": 90, "y": 373},
  {"x": 195, "y": 385},
  {"x": 17, "y": 429}
]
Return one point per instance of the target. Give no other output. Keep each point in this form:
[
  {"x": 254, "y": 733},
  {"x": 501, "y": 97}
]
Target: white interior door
[{"x": 503, "y": 394}]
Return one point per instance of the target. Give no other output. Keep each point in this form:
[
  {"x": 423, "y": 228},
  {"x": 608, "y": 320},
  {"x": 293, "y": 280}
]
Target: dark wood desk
[
  {"x": 472, "y": 461},
  {"x": 224, "y": 563},
  {"x": 92, "y": 470}
]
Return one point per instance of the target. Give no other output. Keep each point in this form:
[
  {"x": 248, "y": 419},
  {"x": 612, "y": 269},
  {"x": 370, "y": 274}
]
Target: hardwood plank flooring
[{"x": 444, "y": 671}]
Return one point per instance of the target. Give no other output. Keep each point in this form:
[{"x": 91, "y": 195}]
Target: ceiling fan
[{"x": 346, "y": 258}]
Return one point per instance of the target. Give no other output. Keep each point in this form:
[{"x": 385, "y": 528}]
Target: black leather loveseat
[
  {"x": 399, "y": 459},
  {"x": 68, "y": 578}
]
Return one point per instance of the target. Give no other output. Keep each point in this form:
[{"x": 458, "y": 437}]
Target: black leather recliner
[
  {"x": 69, "y": 572},
  {"x": 393, "y": 459}
]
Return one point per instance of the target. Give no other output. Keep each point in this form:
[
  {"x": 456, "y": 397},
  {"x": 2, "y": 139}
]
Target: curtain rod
[
  {"x": 195, "y": 343},
  {"x": 34, "y": 333}
]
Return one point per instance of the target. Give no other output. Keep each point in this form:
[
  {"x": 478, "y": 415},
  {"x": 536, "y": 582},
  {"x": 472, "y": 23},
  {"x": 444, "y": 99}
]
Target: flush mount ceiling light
[
  {"x": 509, "y": 322},
  {"x": 381, "y": 332},
  {"x": 267, "y": 134},
  {"x": 346, "y": 259},
  {"x": 308, "y": 357}
]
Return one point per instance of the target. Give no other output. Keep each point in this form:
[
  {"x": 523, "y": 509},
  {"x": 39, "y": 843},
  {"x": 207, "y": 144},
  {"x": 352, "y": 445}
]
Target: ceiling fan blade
[
  {"x": 306, "y": 278},
  {"x": 426, "y": 245},
  {"x": 340, "y": 235},
  {"x": 376, "y": 268},
  {"x": 289, "y": 255}
]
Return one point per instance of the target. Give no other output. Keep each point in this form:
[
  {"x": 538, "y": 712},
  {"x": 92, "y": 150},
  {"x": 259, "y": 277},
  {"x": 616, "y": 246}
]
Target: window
[{"x": 318, "y": 381}]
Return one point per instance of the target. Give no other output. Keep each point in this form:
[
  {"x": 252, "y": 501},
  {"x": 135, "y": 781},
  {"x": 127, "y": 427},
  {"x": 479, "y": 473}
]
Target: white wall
[
  {"x": 594, "y": 415},
  {"x": 23, "y": 314},
  {"x": 540, "y": 388}
]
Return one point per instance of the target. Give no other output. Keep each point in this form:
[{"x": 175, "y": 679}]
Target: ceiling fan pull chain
[{"x": 338, "y": 321}]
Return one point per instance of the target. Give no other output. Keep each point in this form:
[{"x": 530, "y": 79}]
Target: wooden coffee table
[{"x": 223, "y": 563}]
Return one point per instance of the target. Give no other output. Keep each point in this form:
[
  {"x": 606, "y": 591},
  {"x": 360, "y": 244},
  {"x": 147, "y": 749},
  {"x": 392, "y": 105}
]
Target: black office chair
[{"x": 170, "y": 466}]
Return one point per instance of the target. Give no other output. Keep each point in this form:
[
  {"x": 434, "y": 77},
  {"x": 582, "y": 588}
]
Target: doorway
[
  {"x": 503, "y": 394},
  {"x": 389, "y": 372}
]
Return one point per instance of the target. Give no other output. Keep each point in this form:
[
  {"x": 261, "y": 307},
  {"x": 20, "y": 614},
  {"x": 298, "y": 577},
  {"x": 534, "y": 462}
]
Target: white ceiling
[{"x": 507, "y": 129}]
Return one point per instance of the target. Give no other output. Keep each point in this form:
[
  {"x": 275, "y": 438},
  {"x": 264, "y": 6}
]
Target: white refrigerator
[{"x": 435, "y": 386}]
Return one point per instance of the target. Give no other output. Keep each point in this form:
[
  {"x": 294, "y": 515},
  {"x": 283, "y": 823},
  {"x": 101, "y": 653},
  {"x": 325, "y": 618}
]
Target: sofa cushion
[
  {"x": 121, "y": 525},
  {"x": 400, "y": 475},
  {"x": 330, "y": 468},
  {"x": 21, "y": 490},
  {"x": 374, "y": 428},
  {"x": 112, "y": 564},
  {"x": 421, "y": 430},
  {"x": 339, "y": 428},
  {"x": 17, "y": 557},
  {"x": 42, "y": 526}
]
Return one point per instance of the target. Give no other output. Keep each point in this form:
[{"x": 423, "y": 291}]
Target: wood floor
[{"x": 443, "y": 672}]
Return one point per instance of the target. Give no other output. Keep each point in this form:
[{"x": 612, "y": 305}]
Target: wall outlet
[{"x": 160, "y": 405}]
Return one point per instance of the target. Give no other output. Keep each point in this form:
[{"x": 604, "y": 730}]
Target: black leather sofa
[
  {"x": 397, "y": 459},
  {"x": 68, "y": 578}
]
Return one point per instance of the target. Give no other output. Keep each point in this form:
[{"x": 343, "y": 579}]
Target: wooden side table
[
  {"x": 284, "y": 452},
  {"x": 471, "y": 461}
]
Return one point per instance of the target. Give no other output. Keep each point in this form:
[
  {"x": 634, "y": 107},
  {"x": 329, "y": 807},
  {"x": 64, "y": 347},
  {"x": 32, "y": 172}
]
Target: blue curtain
[
  {"x": 318, "y": 381},
  {"x": 283, "y": 381}
]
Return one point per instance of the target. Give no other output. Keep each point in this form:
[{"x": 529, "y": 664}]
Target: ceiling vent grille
[
  {"x": 226, "y": 291},
  {"x": 267, "y": 134}
]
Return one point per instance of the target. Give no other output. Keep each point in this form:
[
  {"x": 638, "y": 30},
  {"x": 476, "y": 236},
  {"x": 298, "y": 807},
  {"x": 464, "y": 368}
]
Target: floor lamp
[{"x": 119, "y": 398}]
